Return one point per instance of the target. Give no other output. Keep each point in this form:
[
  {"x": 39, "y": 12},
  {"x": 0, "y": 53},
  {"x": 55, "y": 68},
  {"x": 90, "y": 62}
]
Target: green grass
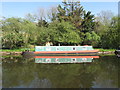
[
  {"x": 16, "y": 50},
  {"x": 105, "y": 50}
]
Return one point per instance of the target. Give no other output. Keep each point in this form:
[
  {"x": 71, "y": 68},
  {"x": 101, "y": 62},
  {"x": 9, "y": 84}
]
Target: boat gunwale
[
  {"x": 59, "y": 52},
  {"x": 66, "y": 56}
]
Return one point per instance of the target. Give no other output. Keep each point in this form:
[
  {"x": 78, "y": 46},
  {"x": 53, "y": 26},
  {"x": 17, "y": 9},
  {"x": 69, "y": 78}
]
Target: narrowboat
[
  {"x": 64, "y": 59},
  {"x": 62, "y": 50}
]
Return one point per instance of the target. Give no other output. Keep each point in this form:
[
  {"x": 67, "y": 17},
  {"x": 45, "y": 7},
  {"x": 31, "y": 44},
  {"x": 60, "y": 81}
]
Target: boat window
[
  {"x": 84, "y": 48},
  {"x": 74, "y": 48},
  {"x": 48, "y": 60},
  {"x": 73, "y": 59},
  {"x": 57, "y": 60},
  {"x": 57, "y": 49}
]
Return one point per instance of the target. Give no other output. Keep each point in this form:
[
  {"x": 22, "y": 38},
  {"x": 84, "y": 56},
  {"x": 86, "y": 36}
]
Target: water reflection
[
  {"x": 64, "y": 59},
  {"x": 25, "y": 73}
]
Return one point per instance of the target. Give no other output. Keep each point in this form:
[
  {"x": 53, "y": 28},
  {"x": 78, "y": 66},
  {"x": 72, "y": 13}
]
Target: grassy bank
[
  {"x": 105, "y": 50},
  {"x": 16, "y": 50}
]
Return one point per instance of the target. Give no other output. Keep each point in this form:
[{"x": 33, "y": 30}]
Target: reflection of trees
[
  {"x": 29, "y": 74},
  {"x": 85, "y": 77},
  {"x": 40, "y": 83},
  {"x": 107, "y": 72},
  {"x": 16, "y": 72},
  {"x": 67, "y": 75}
]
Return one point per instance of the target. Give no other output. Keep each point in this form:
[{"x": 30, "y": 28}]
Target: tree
[
  {"x": 43, "y": 35},
  {"x": 41, "y": 14},
  {"x": 58, "y": 33},
  {"x": 105, "y": 17},
  {"x": 92, "y": 39},
  {"x": 110, "y": 38},
  {"x": 30, "y": 17},
  {"x": 65, "y": 33},
  {"x": 42, "y": 23},
  {"x": 17, "y": 32},
  {"x": 84, "y": 22},
  {"x": 52, "y": 13}
]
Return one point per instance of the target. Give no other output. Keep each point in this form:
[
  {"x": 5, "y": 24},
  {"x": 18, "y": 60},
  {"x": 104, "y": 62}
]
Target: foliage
[
  {"x": 65, "y": 33},
  {"x": 84, "y": 22},
  {"x": 92, "y": 38},
  {"x": 16, "y": 50},
  {"x": 62, "y": 32},
  {"x": 16, "y": 32},
  {"x": 70, "y": 25},
  {"x": 105, "y": 50},
  {"x": 111, "y": 37}
]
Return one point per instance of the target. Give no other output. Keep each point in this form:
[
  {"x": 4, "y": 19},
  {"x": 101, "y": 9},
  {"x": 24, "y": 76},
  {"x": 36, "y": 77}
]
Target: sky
[{"x": 20, "y": 9}]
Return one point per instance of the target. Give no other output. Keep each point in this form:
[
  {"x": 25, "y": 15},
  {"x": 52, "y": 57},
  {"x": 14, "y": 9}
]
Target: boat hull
[
  {"x": 66, "y": 56},
  {"x": 82, "y": 52}
]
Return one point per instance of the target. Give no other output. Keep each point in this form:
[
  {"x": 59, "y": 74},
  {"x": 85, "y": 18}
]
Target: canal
[{"x": 20, "y": 72}]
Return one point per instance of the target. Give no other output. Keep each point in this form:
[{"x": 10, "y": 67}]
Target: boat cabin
[{"x": 62, "y": 48}]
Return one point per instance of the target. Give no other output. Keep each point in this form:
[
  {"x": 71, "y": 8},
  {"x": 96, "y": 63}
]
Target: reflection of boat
[
  {"x": 48, "y": 50},
  {"x": 64, "y": 59}
]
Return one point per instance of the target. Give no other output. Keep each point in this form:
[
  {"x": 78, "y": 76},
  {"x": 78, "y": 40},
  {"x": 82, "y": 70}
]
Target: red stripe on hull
[
  {"x": 66, "y": 56},
  {"x": 53, "y": 52}
]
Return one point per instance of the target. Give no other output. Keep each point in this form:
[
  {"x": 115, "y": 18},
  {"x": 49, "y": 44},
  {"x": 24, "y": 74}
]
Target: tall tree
[{"x": 83, "y": 21}]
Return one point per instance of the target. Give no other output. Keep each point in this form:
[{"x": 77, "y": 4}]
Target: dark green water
[{"x": 18, "y": 72}]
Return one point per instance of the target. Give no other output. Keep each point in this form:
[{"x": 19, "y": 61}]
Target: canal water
[{"x": 24, "y": 72}]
